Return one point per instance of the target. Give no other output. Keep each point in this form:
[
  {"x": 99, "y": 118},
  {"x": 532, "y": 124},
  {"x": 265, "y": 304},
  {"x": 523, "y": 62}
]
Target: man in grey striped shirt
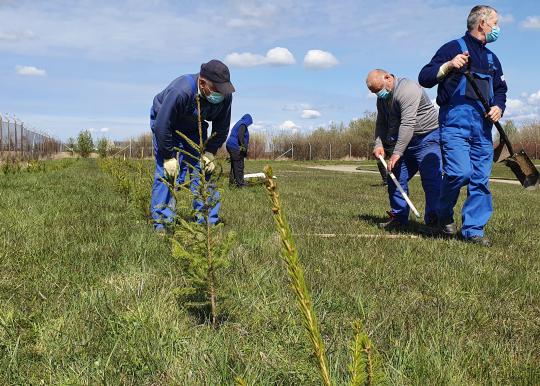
[{"x": 407, "y": 131}]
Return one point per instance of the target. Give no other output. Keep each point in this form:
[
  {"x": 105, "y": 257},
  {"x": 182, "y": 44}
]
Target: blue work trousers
[
  {"x": 423, "y": 154},
  {"x": 467, "y": 151},
  {"x": 163, "y": 204}
]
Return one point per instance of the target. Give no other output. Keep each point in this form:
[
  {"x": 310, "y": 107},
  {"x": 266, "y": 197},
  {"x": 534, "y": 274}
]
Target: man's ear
[{"x": 482, "y": 24}]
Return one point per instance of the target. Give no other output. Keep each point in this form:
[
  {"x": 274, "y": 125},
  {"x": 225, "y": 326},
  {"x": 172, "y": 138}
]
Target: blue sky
[{"x": 297, "y": 65}]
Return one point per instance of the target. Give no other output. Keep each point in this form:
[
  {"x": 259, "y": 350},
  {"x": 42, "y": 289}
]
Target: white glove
[
  {"x": 208, "y": 162},
  {"x": 171, "y": 167}
]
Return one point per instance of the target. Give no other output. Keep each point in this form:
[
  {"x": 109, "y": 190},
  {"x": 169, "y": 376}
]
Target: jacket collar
[{"x": 473, "y": 40}]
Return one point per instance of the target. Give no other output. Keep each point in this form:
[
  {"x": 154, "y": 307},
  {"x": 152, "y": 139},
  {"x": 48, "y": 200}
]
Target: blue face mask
[
  {"x": 215, "y": 98},
  {"x": 493, "y": 35},
  {"x": 383, "y": 94}
]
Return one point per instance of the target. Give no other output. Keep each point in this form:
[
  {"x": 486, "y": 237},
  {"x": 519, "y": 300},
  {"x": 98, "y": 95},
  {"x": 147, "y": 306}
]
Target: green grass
[{"x": 86, "y": 288}]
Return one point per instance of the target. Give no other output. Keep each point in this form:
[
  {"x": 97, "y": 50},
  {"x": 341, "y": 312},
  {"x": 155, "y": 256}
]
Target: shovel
[
  {"x": 520, "y": 163},
  {"x": 405, "y": 196}
]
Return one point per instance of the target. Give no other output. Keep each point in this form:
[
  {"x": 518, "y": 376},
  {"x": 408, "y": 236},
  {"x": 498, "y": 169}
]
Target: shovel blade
[
  {"x": 524, "y": 169},
  {"x": 500, "y": 152}
]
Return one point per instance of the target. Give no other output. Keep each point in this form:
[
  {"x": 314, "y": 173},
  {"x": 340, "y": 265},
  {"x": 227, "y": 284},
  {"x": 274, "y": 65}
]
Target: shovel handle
[
  {"x": 484, "y": 102},
  {"x": 405, "y": 196}
]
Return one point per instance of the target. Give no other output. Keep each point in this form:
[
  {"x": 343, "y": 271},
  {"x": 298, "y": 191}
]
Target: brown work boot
[{"x": 392, "y": 223}]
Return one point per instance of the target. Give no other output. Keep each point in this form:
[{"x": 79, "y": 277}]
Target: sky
[{"x": 66, "y": 66}]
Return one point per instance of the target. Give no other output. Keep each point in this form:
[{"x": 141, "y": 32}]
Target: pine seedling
[
  {"x": 202, "y": 248},
  {"x": 296, "y": 277},
  {"x": 365, "y": 367}
]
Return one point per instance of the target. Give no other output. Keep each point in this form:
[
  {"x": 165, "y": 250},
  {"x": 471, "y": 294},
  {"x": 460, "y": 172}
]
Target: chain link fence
[{"x": 19, "y": 142}]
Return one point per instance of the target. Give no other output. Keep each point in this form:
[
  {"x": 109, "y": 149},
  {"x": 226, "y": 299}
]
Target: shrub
[{"x": 85, "y": 144}]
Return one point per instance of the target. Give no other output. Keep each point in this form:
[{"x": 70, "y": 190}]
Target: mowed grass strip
[{"x": 86, "y": 289}]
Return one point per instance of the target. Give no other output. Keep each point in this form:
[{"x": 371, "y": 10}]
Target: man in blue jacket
[
  {"x": 175, "y": 109},
  {"x": 237, "y": 146},
  {"x": 467, "y": 147}
]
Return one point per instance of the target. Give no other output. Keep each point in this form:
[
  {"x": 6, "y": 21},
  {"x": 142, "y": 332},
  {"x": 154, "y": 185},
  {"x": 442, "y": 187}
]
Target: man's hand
[
  {"x": 378, "y": 151},
  {"x": 243, "y": 151},
  {"x": 393, "y": 161},
  {"x": 459, "y": 61},
  {"x": 171, "y": 167},
  {"x": 494, "y": 114},
  {"x": 208, "y": 162}
]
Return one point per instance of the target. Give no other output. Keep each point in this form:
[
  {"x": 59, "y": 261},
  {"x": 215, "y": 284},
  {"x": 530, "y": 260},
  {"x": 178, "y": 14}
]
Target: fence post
[
  {"x": 130, "y": 148},
  {"x": 330, "y": 151},
  {"x": 16, "y": 141},
  {"x": 8, "y": 136},
  {"x": 309, "y": 151},
  {"x": 350, "y": 150},
  {"x": 292, "y": 151},
  {"x": 23, "y": 150}
]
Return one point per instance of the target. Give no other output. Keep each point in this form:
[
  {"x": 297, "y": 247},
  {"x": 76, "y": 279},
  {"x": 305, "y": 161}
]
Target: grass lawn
[{"x": 87, "y": 289}]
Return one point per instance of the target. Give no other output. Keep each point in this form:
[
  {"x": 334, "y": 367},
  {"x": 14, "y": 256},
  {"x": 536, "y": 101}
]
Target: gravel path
[{"x": 352, "y": 169}]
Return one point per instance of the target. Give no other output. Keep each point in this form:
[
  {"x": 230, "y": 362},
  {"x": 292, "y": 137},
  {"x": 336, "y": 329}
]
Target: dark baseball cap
[{"x": 218, "y": 73}]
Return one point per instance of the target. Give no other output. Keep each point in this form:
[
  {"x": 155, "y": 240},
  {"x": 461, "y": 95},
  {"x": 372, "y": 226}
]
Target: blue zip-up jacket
[
  {"x": 240, "y": 137},
  {"x": 478, "y": 55},
  {"x": 175, "y": 108}
]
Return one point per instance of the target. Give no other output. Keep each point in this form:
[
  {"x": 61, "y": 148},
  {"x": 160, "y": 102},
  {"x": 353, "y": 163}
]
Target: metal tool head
[
  {"x": 524, "y": 169},
  {"x": 501, "y": 152}
]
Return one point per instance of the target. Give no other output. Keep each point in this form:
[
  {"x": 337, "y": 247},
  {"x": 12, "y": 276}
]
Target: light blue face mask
[
  {"x": 493, "y": 35},
  {"x": 215, "y": 97},
  {"x": 383, "y": 94}
]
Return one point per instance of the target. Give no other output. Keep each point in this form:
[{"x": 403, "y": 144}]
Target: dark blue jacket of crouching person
[
  {"x": 237, "y": 146},
  {"x": 240, "y": 134}
]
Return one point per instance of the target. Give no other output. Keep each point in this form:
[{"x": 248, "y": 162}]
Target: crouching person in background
[{"x": 237, "y": 146}]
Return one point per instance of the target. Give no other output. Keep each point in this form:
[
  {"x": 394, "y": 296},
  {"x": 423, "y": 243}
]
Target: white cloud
[
  {"x": 525, "y": 108},
  {"x": 506, "y": 19},
  {"x": 30, "y": 71},
  {"x": 297, "y": 107},
  {"x": 531, "y": 22},
  {"x": 310, "y": 114},
  {"x": 289, "y": 125},
  {"x": 277, "y": 56},
  {"x": 252, "y": 15},
  {"x": 317, "y": 60},
  {"x": 245, "y": 59},
  {"x": 534, "y": 98},
  {"x": 104, "y": 130},
  {"x": 16, "y": 36}
]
